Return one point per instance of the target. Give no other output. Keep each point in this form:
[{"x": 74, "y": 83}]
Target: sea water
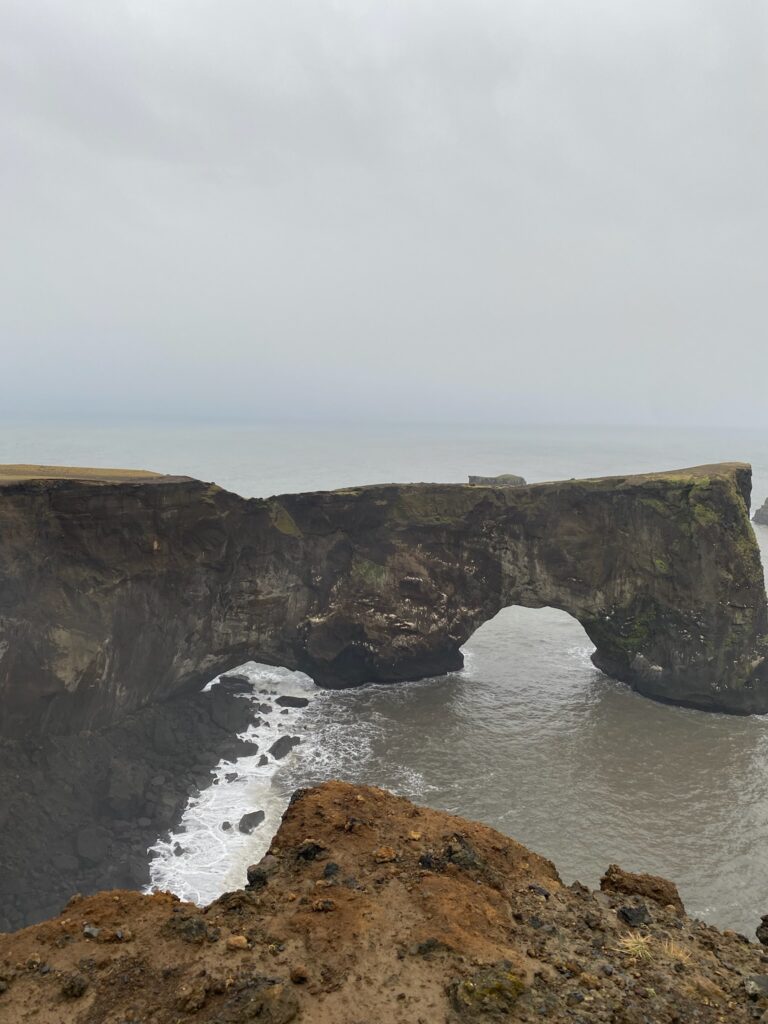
[{"x": 528, "y": 737}]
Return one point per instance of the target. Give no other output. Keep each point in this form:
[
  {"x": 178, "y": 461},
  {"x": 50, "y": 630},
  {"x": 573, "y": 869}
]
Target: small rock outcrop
[
  {"x": 379, "y": 583},
  {"x": 503, "y": 480},
  {"x": 456, "y": 923},
  {"x": 761, "y": 515},
  {"x": 653, "y": 887}
]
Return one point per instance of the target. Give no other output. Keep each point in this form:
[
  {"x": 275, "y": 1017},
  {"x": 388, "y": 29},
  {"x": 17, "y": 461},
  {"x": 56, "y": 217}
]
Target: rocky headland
[
  {"x": 123, "y": 592},
  {"x": 120, "y": 589},
  {"x": 369, "y": 908}
]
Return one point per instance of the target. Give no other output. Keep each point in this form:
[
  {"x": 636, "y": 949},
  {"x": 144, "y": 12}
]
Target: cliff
[
  {"x": 368, "y": 908},
  {"x": 121, "y": 588}
]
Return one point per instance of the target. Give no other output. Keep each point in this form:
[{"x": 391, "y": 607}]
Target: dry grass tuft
[
  {"x": 674, "y": 951},
  {"x": 637, "y": 946}
]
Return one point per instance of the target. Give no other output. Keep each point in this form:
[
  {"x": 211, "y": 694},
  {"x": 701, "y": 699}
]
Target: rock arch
[{"x": 117, "y": 591}]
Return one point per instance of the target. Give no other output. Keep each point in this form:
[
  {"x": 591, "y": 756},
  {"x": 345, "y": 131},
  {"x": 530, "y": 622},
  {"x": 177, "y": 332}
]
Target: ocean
[{"x": 528, "y": 737}]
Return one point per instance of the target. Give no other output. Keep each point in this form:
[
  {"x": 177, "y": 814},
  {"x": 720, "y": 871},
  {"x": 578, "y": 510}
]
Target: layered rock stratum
[
  {"x": 119, "y": 588},
  {"x": 369, "y": 908}
]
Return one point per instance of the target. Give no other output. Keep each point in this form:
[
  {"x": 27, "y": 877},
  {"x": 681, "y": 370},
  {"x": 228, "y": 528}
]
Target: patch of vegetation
[
  {"x": 488, "y": 994},
  {"x": 637, "y": 946},
  {"x": 371, "y": 573},
  {"x": 283, "y": 521}
]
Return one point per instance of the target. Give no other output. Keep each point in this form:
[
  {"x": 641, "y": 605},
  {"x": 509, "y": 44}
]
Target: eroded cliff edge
[
  {"x": 369, "y": 908},
  {"x": 116, "y": 590}
]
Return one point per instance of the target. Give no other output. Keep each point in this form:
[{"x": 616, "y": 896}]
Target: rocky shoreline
[
  {"x": 369, "y": 908},
  {"x": 80, "y": 811}
]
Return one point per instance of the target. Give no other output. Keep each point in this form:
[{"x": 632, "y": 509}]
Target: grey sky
[{"x": 496, "y": 209}]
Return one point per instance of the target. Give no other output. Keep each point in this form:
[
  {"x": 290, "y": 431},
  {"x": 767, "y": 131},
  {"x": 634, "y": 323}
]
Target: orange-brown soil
[{"x": 370, "y": 910}]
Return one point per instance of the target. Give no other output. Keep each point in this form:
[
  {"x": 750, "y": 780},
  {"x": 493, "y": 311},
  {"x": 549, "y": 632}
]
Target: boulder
[
  {"x": 284, "y": 745},
  {"x": 292, "y": 702},
  {"x": 651, "y": 887},
  {"x": 250, "y": 821}
]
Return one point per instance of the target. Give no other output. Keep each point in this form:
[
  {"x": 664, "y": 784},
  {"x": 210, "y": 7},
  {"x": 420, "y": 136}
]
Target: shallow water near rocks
[{"x": 529, "y": 737}]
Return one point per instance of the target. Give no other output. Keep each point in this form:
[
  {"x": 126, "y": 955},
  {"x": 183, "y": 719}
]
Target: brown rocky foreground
[{"x": 370, "y": 909}]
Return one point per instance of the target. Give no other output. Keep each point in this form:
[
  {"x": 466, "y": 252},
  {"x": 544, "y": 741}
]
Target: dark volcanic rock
[
  {"x": 284, "y": 745},
  {"x": 379, "y": 583},
  {"x": 292, "y": 702},
  {"x": 634, "y": 916},
  {"x": 250, "y": 821},
  {"x": 235, "y": 682},
  {"x": 73, "y": 836},
  {"x": 503, "y": 480}
]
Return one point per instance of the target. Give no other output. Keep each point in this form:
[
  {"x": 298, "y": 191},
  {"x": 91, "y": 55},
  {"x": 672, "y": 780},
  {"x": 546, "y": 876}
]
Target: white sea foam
[{"x": 213, "y": 859}]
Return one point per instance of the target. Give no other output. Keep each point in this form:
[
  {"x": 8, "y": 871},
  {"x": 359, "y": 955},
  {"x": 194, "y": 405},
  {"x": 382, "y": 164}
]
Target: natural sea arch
[{"x": 122, "y": 589}]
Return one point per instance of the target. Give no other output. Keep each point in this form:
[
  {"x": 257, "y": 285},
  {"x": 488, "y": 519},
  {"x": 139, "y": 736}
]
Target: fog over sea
[{"x": 529, "y": 737}]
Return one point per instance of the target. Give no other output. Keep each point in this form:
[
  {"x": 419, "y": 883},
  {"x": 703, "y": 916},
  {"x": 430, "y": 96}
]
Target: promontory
[{"x": 118, "y": 588}]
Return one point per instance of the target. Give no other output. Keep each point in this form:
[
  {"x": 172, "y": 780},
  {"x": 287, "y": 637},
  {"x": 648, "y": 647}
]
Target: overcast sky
[{"x": 502, "y": 210}]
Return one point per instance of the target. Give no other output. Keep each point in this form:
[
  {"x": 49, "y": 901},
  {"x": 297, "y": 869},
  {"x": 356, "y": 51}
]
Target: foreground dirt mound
[{"x": 370, "y": 910}]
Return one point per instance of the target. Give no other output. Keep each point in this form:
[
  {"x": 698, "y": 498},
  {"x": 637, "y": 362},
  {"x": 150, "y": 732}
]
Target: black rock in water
[
  {"x": 235, "y": 682},
  {"x": 284, "y": 745},
  {"x": 292, "y": 702},
  {"x": 250, "y": 821}
]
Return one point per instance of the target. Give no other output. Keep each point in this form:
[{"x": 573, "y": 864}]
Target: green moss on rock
[{"x": 488, "y": 994}]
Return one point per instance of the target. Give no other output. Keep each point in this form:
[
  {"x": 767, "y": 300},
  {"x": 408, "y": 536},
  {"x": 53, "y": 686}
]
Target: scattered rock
[
  {"x": 235, "y": 682},
  {"x": 284, "y": 745},
  {"x": 292, "y": 702},
  {"x": 237, "y": 942},
  {"x": 384, "y": 855},
  {"x": 756, "y": 986},
  {"x": 191, "y": 928},
  {"x": 540, "y": 890},
  {"x": 74, "y": 986},
  {"x": 489, "y": 994},
  {"x": 250, "y": 821},
  {"x": 299, "y": 974},
  {"x": 651, "y": 887},
  {"x": 309, "y": 849},
  {"x": 634, "y": 916}
]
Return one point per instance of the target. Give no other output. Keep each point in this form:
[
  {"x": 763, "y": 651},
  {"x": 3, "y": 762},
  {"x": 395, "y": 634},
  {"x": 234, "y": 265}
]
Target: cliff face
[
  {"x": 115, "y": 591},
  {"x": 368, "y": 908}
]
